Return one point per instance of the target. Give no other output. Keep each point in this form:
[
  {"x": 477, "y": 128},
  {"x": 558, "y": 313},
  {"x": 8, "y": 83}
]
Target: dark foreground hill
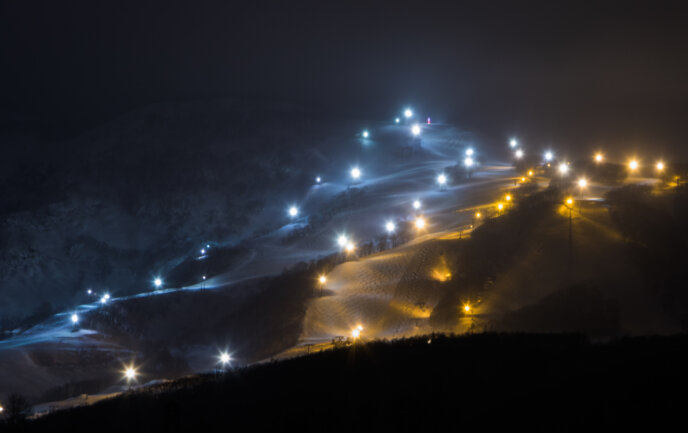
[{"x": 432, "y": 383}]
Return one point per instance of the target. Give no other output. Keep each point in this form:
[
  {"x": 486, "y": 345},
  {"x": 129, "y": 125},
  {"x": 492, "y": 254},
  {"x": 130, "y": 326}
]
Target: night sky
[{"x": 567, "y": 73}]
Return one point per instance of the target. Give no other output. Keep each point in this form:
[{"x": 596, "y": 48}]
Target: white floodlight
[{"x": 342, "y": 240}]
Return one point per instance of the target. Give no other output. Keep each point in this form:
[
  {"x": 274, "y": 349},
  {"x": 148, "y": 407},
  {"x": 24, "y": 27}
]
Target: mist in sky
[{"x": 565, "y": 73}]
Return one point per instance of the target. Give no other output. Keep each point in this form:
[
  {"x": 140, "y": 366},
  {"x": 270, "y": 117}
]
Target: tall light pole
[
  {"x": 356, "y": 333},
  {"x": 130, "y": 374},
  {"x": 75, "y": 321},
  {"x": 569, "y": 206},
  {"x": 224, "y": 360},
  {"x": 659, "y": 166},
  {"x": 322, "y": 280},
  {"x": 582, "y": 184},
  {"x": 420, "y": 223},
  {"x": 442, "y": 180},
  {"x": 355, "y": 174}
]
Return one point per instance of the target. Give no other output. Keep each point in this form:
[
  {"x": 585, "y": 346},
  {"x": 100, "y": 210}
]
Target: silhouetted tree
[{"x": 17, "y": 408}]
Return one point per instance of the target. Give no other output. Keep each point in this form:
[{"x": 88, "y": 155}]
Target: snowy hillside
[{"x": 133, "y": 197}]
